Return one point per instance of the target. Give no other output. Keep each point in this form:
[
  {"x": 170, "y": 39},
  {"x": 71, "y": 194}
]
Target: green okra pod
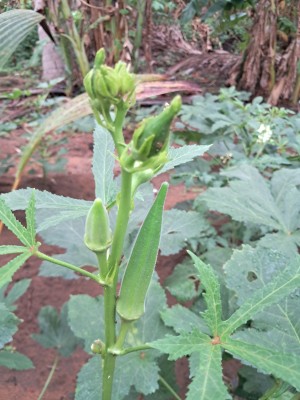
[
  {"x": 98, "y": 234},
  {"x": 141, "y": 264}
]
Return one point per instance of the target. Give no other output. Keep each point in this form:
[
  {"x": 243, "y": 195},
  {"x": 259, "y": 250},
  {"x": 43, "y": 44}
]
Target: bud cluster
[{"x": 108, "y": 86}]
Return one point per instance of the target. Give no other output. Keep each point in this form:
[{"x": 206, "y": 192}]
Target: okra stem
[{"x": 110, "y": 291}]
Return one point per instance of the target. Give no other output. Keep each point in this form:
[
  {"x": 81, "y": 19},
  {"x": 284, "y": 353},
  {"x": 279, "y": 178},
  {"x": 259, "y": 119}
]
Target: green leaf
[
  {"x": 247, "y": 198},
  {"x": 208, "y": 278},
  {"x": 86, "y": 319},
  {"x": 15, "y": 25},
  {"x": 182, "y": 320},
  {"x": 30, "y": 219},
  {"x": 141, "y": 264},
  {"x": 15, "y": 360},
  {"x": 207, "y": 380},
  {"x": 251, "y": 269},
  {"x": 184, "y": 283},
  {"x": 182, "y": 155},
  {"x": 8, "y": 325},
  {"x": 281, "y": 286},
  {"x": 182, "y": 345},
  {"x": 51, "y": 208},
  {"x": 8, "y": 270},
  {"x": 131, "y": 370},
  {"x": 8, "y": 218},
  {"x": 178, "y": 227},
  {"x": 283, "y": 366},
  {"x": 55, "y": 331},
  {"x": 89, "y": 380},
  {"x": 14, "y": 294},
  {"x": 10, "y": 249},
  {"x": 103, "y": 165},
  {"x": 139, "y": 370},
  {"x": 76, "y": 251}
]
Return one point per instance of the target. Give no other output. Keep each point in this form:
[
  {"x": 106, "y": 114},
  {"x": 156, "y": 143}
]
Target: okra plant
[{"x": 120, "y": 311}]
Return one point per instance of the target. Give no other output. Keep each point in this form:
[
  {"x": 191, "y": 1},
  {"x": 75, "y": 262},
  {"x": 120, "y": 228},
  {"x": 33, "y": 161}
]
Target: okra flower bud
[
  {"x": 98, "y": 234},
  {"x": 149, "y": 146},
  {"x": 113, "y": 84},
  {"x": 152, "y": 135}
]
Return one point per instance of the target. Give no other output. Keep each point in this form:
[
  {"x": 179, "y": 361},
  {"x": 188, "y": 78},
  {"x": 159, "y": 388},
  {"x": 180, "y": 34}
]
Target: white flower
[{"x": 265, "y": 133}]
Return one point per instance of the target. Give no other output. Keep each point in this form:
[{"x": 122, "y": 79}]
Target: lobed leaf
[
  {"x": 247, "y": 198},
  {"x": 250, "y": 269},
  {"x": 51, "y": 209},
  {"x": 283, "y": 366},
  {"x": 281, "y": 286}
]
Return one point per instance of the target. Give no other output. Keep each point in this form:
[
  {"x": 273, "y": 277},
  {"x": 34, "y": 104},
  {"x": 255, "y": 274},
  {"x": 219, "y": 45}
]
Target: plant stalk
[
  {"x": 169, "y": 388},
  {"x": 109, "y": 359},
  {"x": 50, "y": 376}
]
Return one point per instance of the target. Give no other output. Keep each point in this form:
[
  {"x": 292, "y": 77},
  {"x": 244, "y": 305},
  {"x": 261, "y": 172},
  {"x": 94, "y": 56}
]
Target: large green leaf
[
  {"x": 283, "y": 366},
  {"x": 206, "y": 372},
  {"x": 103, "y": 165},
  {"x": 15, "y": 360},
  {"x": 178, "y": 227},
  {"x": 249, "y": 198},
  {"x": 55, "y": 331},
  {"x": 15, "y": 25},
  {"x": 208, "y": 278},
  {"x": 51, "y": 208},
  {"x": 251, "y": 269},
  {"x": 281, "y": 286},
  {"x": 8, "y": 325}
]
